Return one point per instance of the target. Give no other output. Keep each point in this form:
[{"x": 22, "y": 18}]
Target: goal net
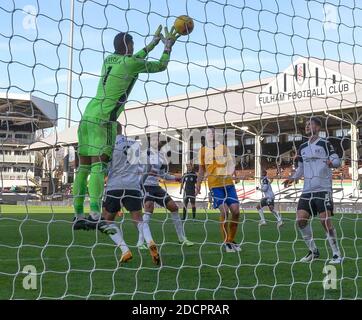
[{"x": 242, "y": 90}]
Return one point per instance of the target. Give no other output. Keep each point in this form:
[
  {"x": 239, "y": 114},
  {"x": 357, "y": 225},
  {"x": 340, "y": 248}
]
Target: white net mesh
[{"x": 257, "y": 70}]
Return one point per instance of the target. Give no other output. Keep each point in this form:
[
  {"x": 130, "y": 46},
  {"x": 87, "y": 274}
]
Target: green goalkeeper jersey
[{"x": 119, "y": 73}]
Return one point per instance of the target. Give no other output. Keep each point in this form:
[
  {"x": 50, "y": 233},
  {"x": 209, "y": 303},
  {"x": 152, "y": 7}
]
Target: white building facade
[{"x": 21, "y": 118}]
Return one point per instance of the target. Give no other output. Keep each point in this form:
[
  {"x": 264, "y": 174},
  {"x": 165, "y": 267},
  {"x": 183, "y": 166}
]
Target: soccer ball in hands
[{"x": 184, "y": 25}]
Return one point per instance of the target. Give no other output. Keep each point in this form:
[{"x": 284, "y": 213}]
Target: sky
[{"x": 234, "y": 41}]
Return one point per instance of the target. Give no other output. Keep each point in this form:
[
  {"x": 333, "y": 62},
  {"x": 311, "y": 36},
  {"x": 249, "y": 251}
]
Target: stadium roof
[
  {"x": 20, "y": 111},
  {"x": 322, "y": 85},
  {"x": 309, "y": 85},
  {"x": 66, "y": 137}
]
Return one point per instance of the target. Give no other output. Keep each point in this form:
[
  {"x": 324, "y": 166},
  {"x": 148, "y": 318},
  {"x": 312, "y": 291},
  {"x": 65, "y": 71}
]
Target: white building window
[
  {"x": 232, "y": 143},
  {"x": 271, "y": 139},
  {"x": 5, "y": 152},
  {"x": 20, "y": 153},
  {"x": 22, "y": 136},
  {"x": 342, "y": 132},
  {"x": 20, "y": 169},
  {"x": 5, "y": 135},
  {"x": 322, "y": 134},
  {"x": 249, "y": 141},
  {"x": 294, "y": 137}
]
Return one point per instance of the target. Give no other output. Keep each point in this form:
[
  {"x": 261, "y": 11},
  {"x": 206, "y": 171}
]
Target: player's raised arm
[
  {"x": 169, "y": 177},
  {"x": 333, "y": 160},
  {"x": 166, "y": 176},
  {"x": 154, "y": 42},
  {"x": 143, "y": 66},
  {"x": 298, "y": 173},
  {"x": 296, "y": 176},
  {"x": 264, "y": 186}
]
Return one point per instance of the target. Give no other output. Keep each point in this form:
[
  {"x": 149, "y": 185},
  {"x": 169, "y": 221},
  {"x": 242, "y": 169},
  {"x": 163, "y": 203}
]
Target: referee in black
[{"x": 188, "y": 183}]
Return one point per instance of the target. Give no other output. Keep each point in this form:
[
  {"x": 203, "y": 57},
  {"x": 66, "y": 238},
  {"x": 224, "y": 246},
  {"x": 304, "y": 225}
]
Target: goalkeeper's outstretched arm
[
  {"x": 156, "y": 39},
  {"x": 143, "y": 66}
]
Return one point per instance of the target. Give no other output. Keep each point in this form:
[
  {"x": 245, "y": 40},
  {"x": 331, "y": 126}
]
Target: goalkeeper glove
[
  {"x": 170, "y": 38},
  {"x": 155, "y": 40}
]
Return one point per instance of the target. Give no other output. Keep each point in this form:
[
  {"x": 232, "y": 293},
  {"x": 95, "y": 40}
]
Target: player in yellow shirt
[{"x": 217, "y": 166}]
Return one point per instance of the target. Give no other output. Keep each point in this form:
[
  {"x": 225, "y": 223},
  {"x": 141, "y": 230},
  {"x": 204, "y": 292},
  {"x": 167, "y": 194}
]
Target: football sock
[
  {"x": 277, "y": 215},
  {"x": 146, "y": 219},
  {"x": 233, "y": 227},
  {"x": 306, "y": 233},
  {"x": 332, "y": 239},
  {"x": 80, "y": 189},
  {"x": 184, "y": 213},
  {"x": 96, "y": 186},
  {"x": 178, "y": 226},
  {"x": 146, "y": 228},
  {"x": 193, "y": 212},
  {"x": 223, "y": 228},
  {"x": 118, "y": 239},
  {"x": 261, "y": 214}
]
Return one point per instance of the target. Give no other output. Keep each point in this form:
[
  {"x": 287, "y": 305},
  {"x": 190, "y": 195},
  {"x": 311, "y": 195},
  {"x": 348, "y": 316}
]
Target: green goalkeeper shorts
[{"x": 96, "y": 137}]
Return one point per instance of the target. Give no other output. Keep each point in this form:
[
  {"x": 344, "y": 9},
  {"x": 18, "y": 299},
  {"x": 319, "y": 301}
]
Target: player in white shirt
[
  {"x": 123, "y": 190},
  {"x": 156, "y": 168},
  {"x": 267, "y": 200},
  {"x": 316, "y": 157}
]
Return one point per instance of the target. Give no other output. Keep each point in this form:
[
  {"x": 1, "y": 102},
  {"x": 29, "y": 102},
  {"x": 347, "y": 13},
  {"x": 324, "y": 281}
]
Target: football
[{"x": 184, "y": 25}]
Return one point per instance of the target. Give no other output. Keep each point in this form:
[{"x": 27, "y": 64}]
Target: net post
[
  {"x": 185, "y": 153},
  {"x": 257, "y": 159},
  {"x": 69, "y": 90},
  {"x": 354, "y": 160}
]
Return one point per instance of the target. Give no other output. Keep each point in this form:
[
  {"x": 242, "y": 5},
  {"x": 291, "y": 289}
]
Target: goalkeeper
[{"x": 97, "y": 128}]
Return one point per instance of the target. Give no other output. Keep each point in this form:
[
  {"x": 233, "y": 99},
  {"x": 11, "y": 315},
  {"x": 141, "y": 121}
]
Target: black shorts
[
  {"x": 189, "y": 198},
  {"x": 266, "y": 202},
  {"x": 116, "y": 199},
  {"x": 157, "y": 194},
  {"x": 316, "y": 202}
]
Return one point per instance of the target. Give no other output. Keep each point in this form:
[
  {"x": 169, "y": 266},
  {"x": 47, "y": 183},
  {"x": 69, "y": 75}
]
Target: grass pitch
[{"x": 81, "y": 265}]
